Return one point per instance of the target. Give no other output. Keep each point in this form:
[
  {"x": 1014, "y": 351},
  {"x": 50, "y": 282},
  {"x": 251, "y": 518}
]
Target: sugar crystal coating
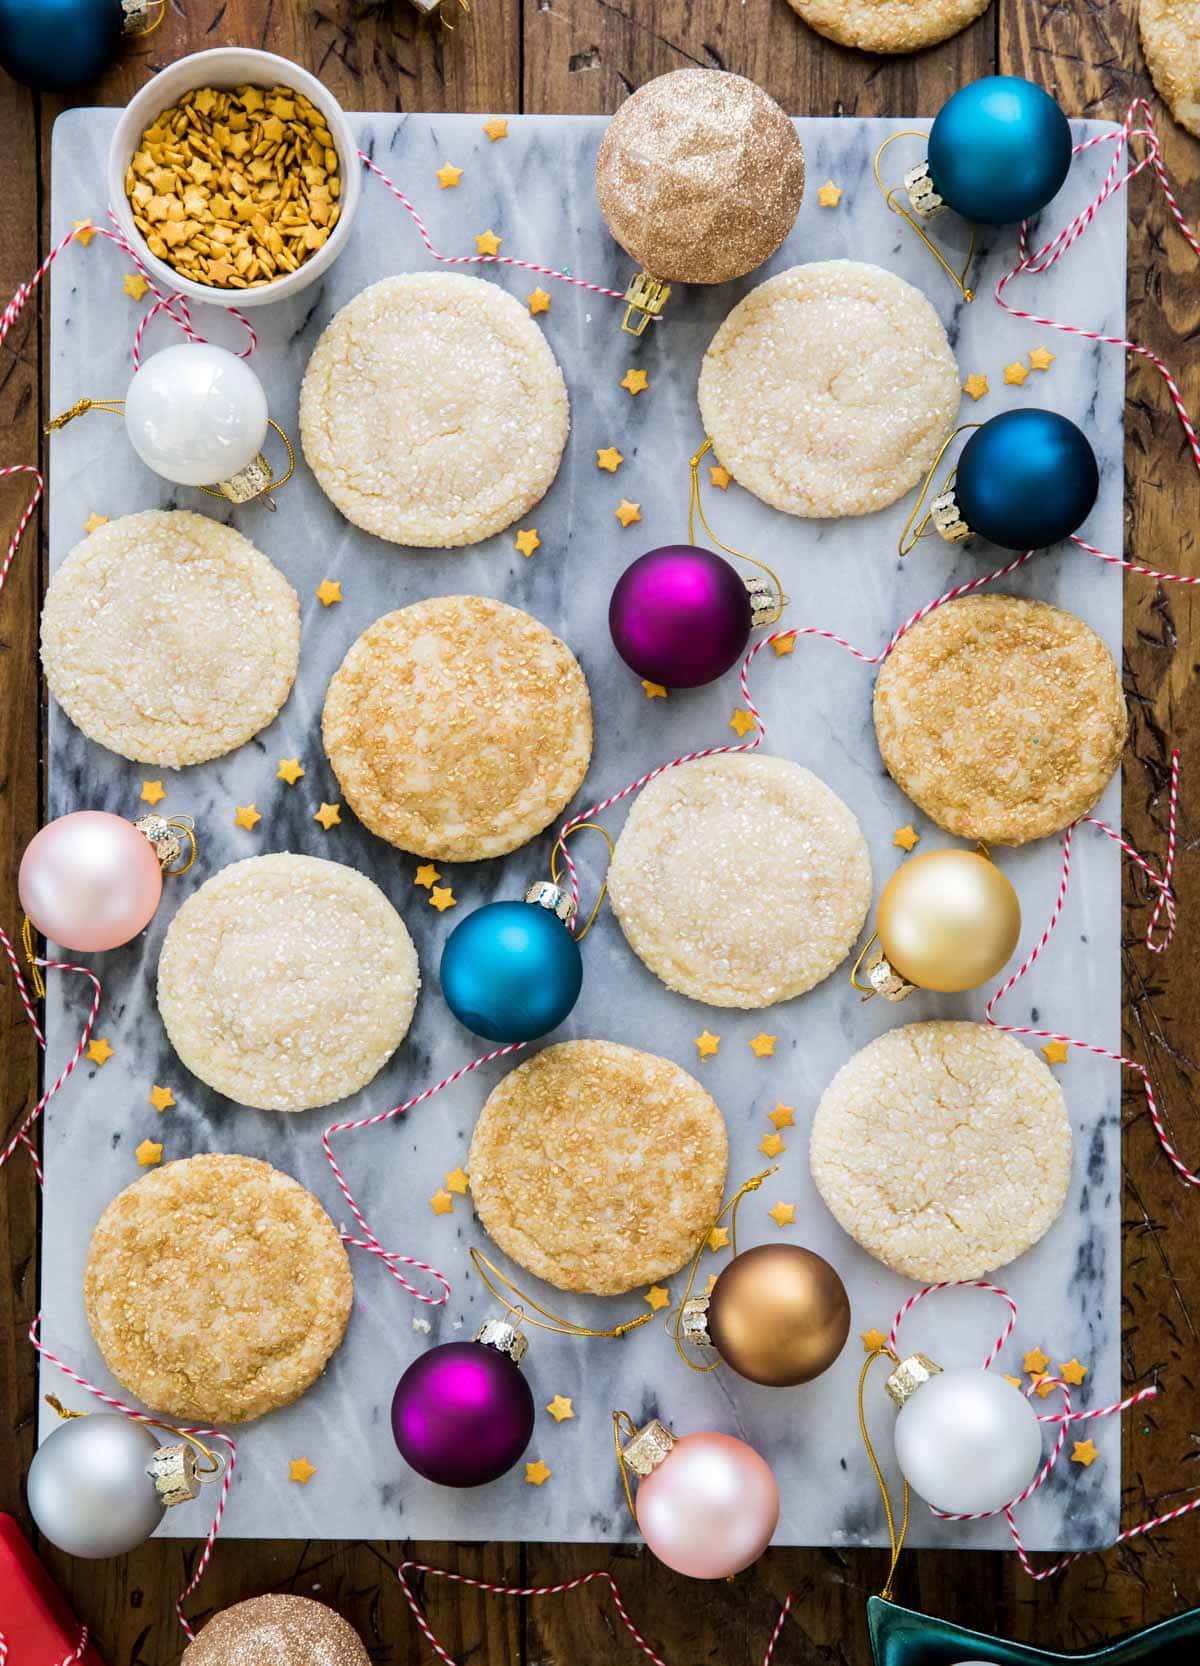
[
  {"x": 1170, "y": 32},
  {"x": 889, "y": 25}
]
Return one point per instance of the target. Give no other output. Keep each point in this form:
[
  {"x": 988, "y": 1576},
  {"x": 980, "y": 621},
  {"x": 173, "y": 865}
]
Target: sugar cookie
[
  {"x": 740, "y": 881},
  {"x": 1170, "y": 32},
  {"x": 277, "y": 1630},
  {"x": 433, "y": 412},
  {"x": 169, "y": 638},
  {"x": 944, "y": 1149},
  {"x": 598, "y": 1167},
  {"x": 889, "y": 25},
  {"x": 829, "y": 388},
  {"x": 458, "y": 727},
  {"x": 1003, "y": 719},
  {"x": 216, "y": 1288},
  {"x": 287, "y": 981}
]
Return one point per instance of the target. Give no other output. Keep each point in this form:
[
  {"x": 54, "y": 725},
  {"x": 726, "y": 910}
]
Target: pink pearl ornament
[
  {"x": 90, "y": 881},
  {"x": 707, "y": 1504}
]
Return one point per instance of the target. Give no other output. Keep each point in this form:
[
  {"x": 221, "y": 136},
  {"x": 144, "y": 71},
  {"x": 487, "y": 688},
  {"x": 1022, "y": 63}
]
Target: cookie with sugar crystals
[
  {"x": 944, "y": 1149},
  {"x": 1003, "y": 719},
  {"x": 169, "y": 638},
  {"x": 287, "y": 981},
  {"x": 433, "y": 412},
  {"x": 889, "y": 25},
  {"x": 829, "y": 389},
  {"x": 276, "y": 1630},
  {"x": 458, "y": 728},
  {"x": 740, "y": 880},
  {"x": 1170, "y": 31},
  {"x": 598, "y": 1167},
  {"x": 217, "y": 1289}
]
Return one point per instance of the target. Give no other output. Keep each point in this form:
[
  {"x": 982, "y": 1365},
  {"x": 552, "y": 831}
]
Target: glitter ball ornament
[
  {"x": 700, "y": 176},
  {"x": 1025, "y": 480},
  {"x": 91, "y": 881},
  {"x": 966, "y": 1440},
  {"x": 277, "y": 1630},
  {"x": 778, "y": 1315},
  {"x": 512, "y": 971},
  {"x": 196, "y": 414},
  {"x": 681, "y": 615},
  {"x": 462, "y": 1414},
  {"x": 949, "y": 920},
  {"x": 999, "y": 149},
  {"x": 99, "y": 1485}
]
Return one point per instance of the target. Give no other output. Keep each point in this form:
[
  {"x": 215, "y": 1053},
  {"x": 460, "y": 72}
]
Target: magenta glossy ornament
[
  {"x": 681, "y": 615},
  {"x": 91, "y": 881},
  {"x": 462, "y": 1414},
  {"x": 707, "y": 1504}
]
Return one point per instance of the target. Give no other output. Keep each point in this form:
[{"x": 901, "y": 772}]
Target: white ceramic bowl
[{"x": 232, "y": 66}]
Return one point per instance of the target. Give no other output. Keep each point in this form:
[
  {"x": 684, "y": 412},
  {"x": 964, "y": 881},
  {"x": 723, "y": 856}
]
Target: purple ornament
[
  {"x": 680, "y": 616},
  {"x": 462, "y": 1414}
]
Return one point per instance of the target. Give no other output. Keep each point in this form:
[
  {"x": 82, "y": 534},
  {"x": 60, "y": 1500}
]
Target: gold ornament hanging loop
[
  {"x": 623, "y": 1424},
  {"x": 114, "y": 407},
  {"x": 214, "y": 1464},
  {"x": 696, "y": 509},
  {"x": 549, "y": 1320},
  {"x": 958, "y": 279},
  {"x": 730, "y": 1209},
  {"x": 582, "y": 827},
  {"x": 910, "y": 538},
  {"x": 895, "y": 1539},
  {"x": 187, "y": 826},
  {"x": 36, "y": 981},
  {"x": 255, "y": 471}
]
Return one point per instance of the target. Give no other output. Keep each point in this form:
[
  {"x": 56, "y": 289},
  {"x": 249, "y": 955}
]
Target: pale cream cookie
[
  {"x": 1170, "y": 32},
  {"x": 217, "y": 1289},
  {"x": 829, "y": 389},
  {"x": 740, "y": 881},
  {"x": 276, "y": 1630},
  {"x": 944, "y": 1149},
  {"x": 287, "y": 981},
  {"x": 598, "y": 1167},
  {"x": 889, "y": 25},
  {"x": 169, "y": 638},
  {"x": 1003, "y": 719},
  {"x": 433, "y": 413},
  {"x": 458, "y": 728}
]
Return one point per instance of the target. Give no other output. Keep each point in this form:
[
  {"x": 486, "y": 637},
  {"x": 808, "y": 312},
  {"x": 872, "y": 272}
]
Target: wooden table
[{"x": 584, "y": 56}]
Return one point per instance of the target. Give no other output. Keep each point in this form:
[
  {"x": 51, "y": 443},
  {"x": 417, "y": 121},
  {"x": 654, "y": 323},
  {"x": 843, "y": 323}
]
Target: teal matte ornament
[
  {"x": 902, "y": 1637},
  {"x": 512, "y": 971},
  {"x": 999, "y": 149}
]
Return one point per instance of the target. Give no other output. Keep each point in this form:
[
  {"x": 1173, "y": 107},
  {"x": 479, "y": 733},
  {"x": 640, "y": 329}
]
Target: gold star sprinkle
[
  {"x": 762, "y": 1045},
  {"x": 721, "y": 478},
  {"x": 976, "y": 386},
  {"x": 1084, "y": 1452},
  {"x": 98, "y": 1051},
  {"x": 906, "y": 837},
  {"x": 457, "y": 1181},
  {"x": 537, "y": 1474},
  {"x": 1044, "y": 1385},
  {"x": 1040, "y": 358},
  {"x": 161, "y": 1098},
  {"x": 538, "y": 301},
  {"x": 627, "y": 512},
  {"x": 741, "y": 722},
  {"x": 496, "y": 128},
  {"x": 94, "y": 522},
  {"x": 771, "y": 1145},
  {"x": 1035, "y": 1362},
  {"x": 784, "y": 644},
  {"x": 718, "y": 1238},
  {"x": 873, "y": 1340},
  {"x": 152, "y": 792},
  {"x": 1055, "y": 1051},
  {"x": 135, "y": 286},
  {"x": 290, "y": 770},
  {"x": 488, "y": 243},
  {"x": 783, "y": 1214},
  {"x": 448, "y": 176},
  {"x": 426, "y": 875},
  {"x": 442, "y": 897},
  {"x": 148, "y": 1154},
  {"x": 609, "y": 458},
  {"x": 301, "y": 1470},
  {"x": 441, "y": 1202},
  {"x": 247, "y": 816},
  {"x": 1015, "y": 1381},
  {"x": 561, "y": 1409},
  {"x": 654, "y": 691},
  {"x": 657, "y": 1297},
  {"x": 328, "y": 592},
  {"x": 783, "y": 1116},
  {"x": 528, "y": 541},
  {"x": 1072, "y": 1372},
  {"x": 707, "y": 1044},
  {"x": 635, "y": 382},
  {"x": 1015, "y": 373},
  {"x": 84, "y": 231},
  {"x": 829, "y": 195}
]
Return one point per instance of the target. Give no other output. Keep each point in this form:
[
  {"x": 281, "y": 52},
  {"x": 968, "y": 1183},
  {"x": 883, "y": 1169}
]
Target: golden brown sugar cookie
[{"x": 889, "y": 25}]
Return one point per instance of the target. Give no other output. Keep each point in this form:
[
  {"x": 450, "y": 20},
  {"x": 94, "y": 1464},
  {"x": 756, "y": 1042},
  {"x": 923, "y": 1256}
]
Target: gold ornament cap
[
  {"x": 886, "y": 981},
  {"x": 248, "y": 483},
  {"x": 647, "y": 297},
  {"x": 135, "y": 17},
  {"x": 505, "y": 1337},
  {"x": 921, "y": 194},
  {"x": 163, "y": 836},
  {"x": 765, "y": 605},
  {"x": 910, "y": 1375},
  {"x": 947, "y": 518},
  {"x": 175, "y": 1474},
  {"x": 650, "y": 1447},
  {"x": 543, "y": 893},
  {"x": 693, "y": 1322}
]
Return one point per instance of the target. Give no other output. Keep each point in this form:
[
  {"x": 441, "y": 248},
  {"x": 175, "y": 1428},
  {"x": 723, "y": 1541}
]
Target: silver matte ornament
[{"x": 92, "y": 1489}]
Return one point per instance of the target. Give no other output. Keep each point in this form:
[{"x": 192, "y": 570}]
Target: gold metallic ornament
[
  {"x": 948, "y": 920},
  {"x": 778, "y": 1315}
]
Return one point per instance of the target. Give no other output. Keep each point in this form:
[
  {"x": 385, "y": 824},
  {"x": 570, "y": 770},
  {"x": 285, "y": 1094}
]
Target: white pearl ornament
[
  {"x": 196, "y": 414},
  {"x": 967, "y": 1441}
]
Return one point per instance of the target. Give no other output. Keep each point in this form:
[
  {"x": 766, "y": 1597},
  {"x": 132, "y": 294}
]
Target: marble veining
[{"x": 535, "y": 189}]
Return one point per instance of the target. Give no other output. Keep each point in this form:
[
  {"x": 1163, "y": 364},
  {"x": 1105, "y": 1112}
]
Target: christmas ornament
[
  {"x": 91, "y": 881},
  {"x": 276, "y": 1630},
  {"x": 100, "y": 1484},
  {"x": 462, "y": 1414},
  {"x": 778, "y": 1315},
  {"x": 52, "y": 44},
  {"x": 966, "y": 1440},
  {"x": 902, "y": 1637},
  {"x": 707, "y": 1504},
  {"x": 999, "y": 149},
  {"x": 948, "y": 920},
  {"x": 37, "y": 1624},
  {"x": 512, "y": 971},
  {"x": 1025, "y": 480}
]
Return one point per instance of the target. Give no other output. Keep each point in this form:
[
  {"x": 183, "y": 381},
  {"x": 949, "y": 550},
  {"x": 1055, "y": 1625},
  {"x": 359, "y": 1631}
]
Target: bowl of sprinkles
[{"x": 235, "y": 176}]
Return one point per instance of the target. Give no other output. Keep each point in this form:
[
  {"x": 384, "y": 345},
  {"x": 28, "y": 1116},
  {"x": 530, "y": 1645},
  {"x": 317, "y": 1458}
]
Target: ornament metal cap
[
  {"x": 693, "y": 1322},
  {"x": 648, "y": 1448},
  {"x": 909, "y": 1376},
  {"x": 765, "y": 605},
  {"x": 647, "y": 297},
  {"x": 505, "y": 1337},
  {"x": 947, "y": 518},
  {"x": 249, "y": 483},
  {"x": 543, "y": 893},
  {"x": 921, "y": 193},
  {"x": 163, "y": 836},
  {"x": 886, "y": 981},
  {"x": 136, "y": 16},
  {"x": 175, "y": 1473}
]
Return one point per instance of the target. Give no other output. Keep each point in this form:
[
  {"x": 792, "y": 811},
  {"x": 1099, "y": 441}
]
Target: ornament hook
[
  {"x": 942, "y": 511},
  {"x": 549, "y": 1321},
  {"x": 767, "y": 604},
  {"x": 561, "y": 844},
  {"x": 895, "y": 1539},
  {"x": 257, "y": 479},
  {"x": 686, "y": 1322},
  {"x": 921, "y": 190}
]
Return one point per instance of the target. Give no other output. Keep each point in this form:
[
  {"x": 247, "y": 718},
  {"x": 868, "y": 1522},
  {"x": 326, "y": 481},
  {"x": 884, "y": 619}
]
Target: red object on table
[{"x": 36, "y": 1625}]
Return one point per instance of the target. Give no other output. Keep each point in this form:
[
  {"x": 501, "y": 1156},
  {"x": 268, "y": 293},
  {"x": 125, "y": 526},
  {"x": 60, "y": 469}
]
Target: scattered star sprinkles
[
  {"x": 718, "y": 1238},
  {"x": 98, "y": 1051},
  {"x": 783, "y": 1116},
  {"x": 976, "y": 386},
  {"x": 457, "y": 1181},
  {"x": 328, "y": 592},
  {"x": 1041, "y": 358},
  {"x": 442, "y": 897},
  {"x": 609, "y": 458},
  {"x": 426, "y": 875},
  {"x": 721, "y": 478},
  {"x": 741, "y": 722},
  {"x": 783, "y": 1214},
  {"x": 1015, "y": 373},
  {"x": 94, "y": 522},
  {"x": 135, "y": 286},
  {"x": 301, "y": 1470},
  {"x": 528, "y": 541},
  {"x": 441, "y": 1202},
  {"x": 635, "y": 382},
  {"x": 152, "y": 792},
  {"x": 771, "y": 1145},
  {"x": 707, "y": 1044},
  {"x": 1055, "y": 1051},
  {"x": 84, "y": 231},
  {"x": 448, "y": 176},
  {"x": 1084, "y": 1452},
  {"x": 784, "y": 644},
  {"x": 627, "y": 513},
  {"x": 873, "y": 1340},
  {"x": 1035, "y": 1362},
  {"x": 762, "y": 1045},
  {"x": 247, "y": 816},
  {"x": 560, "y": 1408},
  {"x": 329, "y": 815},
  {"x": 538, "y": 301},
  {"x": 496, "y": 128},
  {"x": 1072, "y": 1372},
  {"x": 657, "y": 1297},
  {"x": 487, "y": 242},
  {"x": 161, "y": 1098},
  {"x": 149, "y": 1154},
  {"x": 829, "y": 195},
  {"x": 654, "y": 691},
  {"x": 906, "y": 838},
  {"x": 290, "y": 770},
  {"x": 537, "y": 1473}
]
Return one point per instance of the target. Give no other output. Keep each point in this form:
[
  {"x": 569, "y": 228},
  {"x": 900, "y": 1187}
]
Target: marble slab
[{"x": 535, "y": 188}]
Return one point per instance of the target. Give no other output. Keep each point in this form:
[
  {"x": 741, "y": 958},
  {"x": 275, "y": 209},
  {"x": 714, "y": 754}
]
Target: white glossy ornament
[
  {"x": 968, "y": 1442},
  {"x": 196, "y": 414},
  {"x": 90, "y": 881},
  {"x": 89, "y": 1488}
]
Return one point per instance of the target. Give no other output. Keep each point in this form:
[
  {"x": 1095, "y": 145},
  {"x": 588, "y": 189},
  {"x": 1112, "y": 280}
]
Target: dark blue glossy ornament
[
  {"x": 999, "y": 149},
  {"x": 52, "y": 44},
  {"x": 903, "y": 1637},
  {"x": 1026, "y": 479},
  {"x": 512, "y": 971}
]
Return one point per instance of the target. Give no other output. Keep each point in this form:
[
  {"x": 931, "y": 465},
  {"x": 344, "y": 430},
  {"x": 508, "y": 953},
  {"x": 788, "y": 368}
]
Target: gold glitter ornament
[
  {"x": 277, "y": 1630},
  {"x": 700, "y": 177}
]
